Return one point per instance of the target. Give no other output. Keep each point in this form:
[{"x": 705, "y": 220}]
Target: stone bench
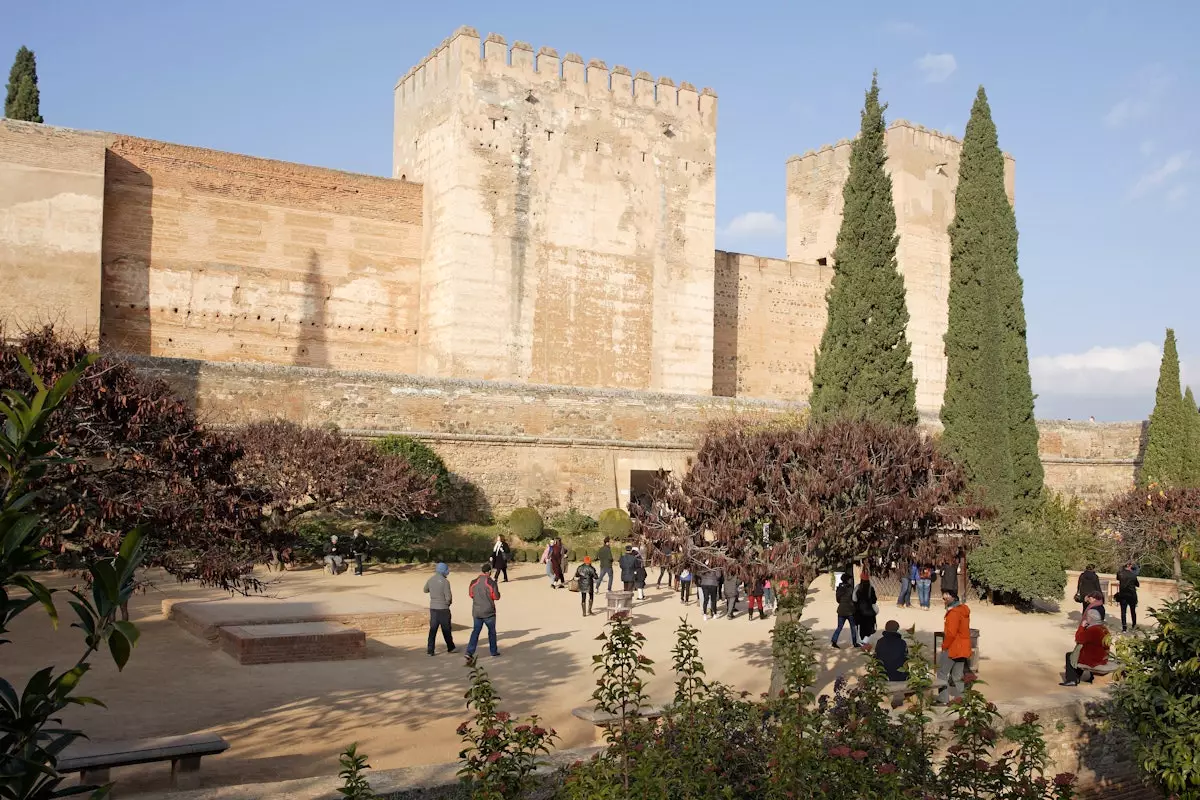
[
  {"x": 93, "y": 760},
  {"x": 603, "y": 720},
  {"x": 1110, "y": 668},
  {"x": 374, "y": 616},
  {"x": 292, "y": 642},
  {"x": 900, "y": 689}
]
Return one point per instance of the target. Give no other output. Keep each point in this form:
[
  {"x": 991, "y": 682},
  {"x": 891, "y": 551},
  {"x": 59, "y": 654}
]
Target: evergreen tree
[
  {"x": 987, "y": 410},
  {"x": 1166, "y": 440},
  {"x": 862, "y": 366},
  {"x": 1191, "y": 462},
  {"x": 23, "y": 99}
]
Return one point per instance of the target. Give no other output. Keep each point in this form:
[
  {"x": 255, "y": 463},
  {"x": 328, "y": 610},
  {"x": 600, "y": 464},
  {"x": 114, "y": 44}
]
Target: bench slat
[{"x": 93, "y": 755}]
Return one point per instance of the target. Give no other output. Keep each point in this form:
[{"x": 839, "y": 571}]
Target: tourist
[
  {"x": 1091, "y": 648},
  {"x": 754, "y": 599},
  {"x": 587, "y": 578},
  {"x": 605, "y": 557},
  {"x": 769, "y": 596},
  {"x": 500, "y": 552},
  {"x": 1088, "y": 582},
  {"x": 360, "y": 547},
  {"x": 639, "y": 575},
  {"x": 440, "y": 598},
  {"x": 628, "y": 564},
  {"x": 546, "y": 561},
  {"x": 685, "y": 586},
  {"x": 866, "y": 608},
  {"x": 335, "y": 555},
  {"x": 908, "y": 582},
  {"x": 1127, "y": 593},
  {"x": 484, "y": 592},
  {"x": 665, "y": 569},
  {"x": 925, "y": 585},
  {"x": 844, "y": 594},
  {"x": 555, "y": 555},
  {"x": 709, "y": 580},
  {"x": 729, "y": 585},
  {"x": 1094, "y": 601},
  {"x": 949, "y": 573},
  {"x": 956, "y": 646},
  {"x": 892, "y": 651}
]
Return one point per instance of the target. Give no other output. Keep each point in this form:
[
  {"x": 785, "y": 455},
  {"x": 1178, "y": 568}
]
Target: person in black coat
[
  {"x": 864, "y": 608},
  {"x": 1127, "y": 593},
  {"x": 628, "y": 564},
  {"x": 360, "y": 547},
  {"x": 892, "y": 651},
  {"x": 1088, "y": 583},
  {"x": 500, "y": 551},
  {"x": 845, "y": 609},
  {"x": 639, "y": 574}
]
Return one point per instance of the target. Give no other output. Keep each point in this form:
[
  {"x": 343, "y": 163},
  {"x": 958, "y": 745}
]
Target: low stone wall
[{"x": 1151, "y": 591}]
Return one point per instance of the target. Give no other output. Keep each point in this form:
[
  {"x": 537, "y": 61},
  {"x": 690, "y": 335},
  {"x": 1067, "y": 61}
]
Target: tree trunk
[
  {"x": 785, "y": 615},
  {"x": 1176, "y": 566}
]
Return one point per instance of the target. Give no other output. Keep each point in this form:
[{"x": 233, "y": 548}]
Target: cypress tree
[
  {"x": 1191, "y": 458},
  {"x": 1166, "y": 440},
  {"x": 862, "y": 367},
  {"x": 987, "y": 409},
  {"x": 23, "y": 99}
]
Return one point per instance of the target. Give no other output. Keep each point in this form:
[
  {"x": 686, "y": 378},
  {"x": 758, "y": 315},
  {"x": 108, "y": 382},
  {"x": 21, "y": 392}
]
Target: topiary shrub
[
  {"x": 615, "y": 523},
  {"x": 526, "y": 523},
  {"x": 1021, "y": 560},
  {"x": 573, "y": 522}
]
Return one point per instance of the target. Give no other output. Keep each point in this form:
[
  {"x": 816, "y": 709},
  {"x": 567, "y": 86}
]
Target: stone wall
[
  {"x": 924, "y": 169},
  {"x": 1092, "y": 461},
  {"x": 51, "y": 212},
  {"x": 767, "y": 326},
  {"x": 570, "y": 218},
  {"x": 224, "y": 257},
  {"x": 1152, "y": 592}
]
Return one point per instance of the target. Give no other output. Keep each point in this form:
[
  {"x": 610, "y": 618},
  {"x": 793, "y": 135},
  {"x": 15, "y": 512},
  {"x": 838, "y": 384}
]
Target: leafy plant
[
  {"x": 499, "y": 755},
  {"x": 573, "y": 522},
  {"x": 31, "y": 735},
  {"x": 526, "y": 523},
  {"x": 355, "y": 785},
  {"x": 1156, "y": 695},
  {"x": 615, "y": 524},
  {"x": 1021, "y": 559}
]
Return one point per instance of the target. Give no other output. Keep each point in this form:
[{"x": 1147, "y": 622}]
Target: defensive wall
[{"x": 570, "y": 217}]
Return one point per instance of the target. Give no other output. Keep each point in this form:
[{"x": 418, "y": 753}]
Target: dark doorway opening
[{"x": 641, "y": 485}]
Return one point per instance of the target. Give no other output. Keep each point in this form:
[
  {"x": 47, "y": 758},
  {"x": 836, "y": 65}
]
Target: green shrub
[
  {"x": 526, "y": 523},
  {"x": 573, "y": 522},
  {"x": 459, "y": 499},
  {"x": 616, "y": 524},
  {"x": 1021, "y": 560}
]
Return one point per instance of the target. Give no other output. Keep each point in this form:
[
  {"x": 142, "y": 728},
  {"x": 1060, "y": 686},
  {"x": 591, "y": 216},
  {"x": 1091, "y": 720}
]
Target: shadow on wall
[
  {"x": 1141, "y": 451},
  {"x": 312, "y": 346},
  {"x": 126, "y": 321},
  {"x": 725, "y": 328}
]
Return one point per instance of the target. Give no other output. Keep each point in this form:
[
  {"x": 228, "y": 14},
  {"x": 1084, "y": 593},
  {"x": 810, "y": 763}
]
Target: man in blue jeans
[{"x": 484, "y": 593}]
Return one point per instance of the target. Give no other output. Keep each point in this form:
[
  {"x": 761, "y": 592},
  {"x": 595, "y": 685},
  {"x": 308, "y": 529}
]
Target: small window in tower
[{"x": 823, "y": 261}]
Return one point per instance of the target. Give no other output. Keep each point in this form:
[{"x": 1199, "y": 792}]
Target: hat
[
  {"x": 587, "y": 559},
  {"x": 442, "y": 569}
]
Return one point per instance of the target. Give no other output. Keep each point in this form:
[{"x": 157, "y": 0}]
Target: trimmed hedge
[
  {"x": 615, "y": 524},
  {"x": 526, "y": 523}
]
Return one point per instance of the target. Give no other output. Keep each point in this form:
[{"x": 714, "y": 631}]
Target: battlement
[
  {"x": 919, "y": 136},
  {"x": 465, "y": 51}
]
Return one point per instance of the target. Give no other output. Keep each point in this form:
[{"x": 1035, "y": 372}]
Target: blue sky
[{"x": 1098, "y": 102}]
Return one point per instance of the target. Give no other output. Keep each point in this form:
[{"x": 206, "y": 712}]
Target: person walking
[
  {"x": 484, "y": 592},
  {"x": 924, "y": 585},
  {"x": 866, "y": 608},
  {"x": 440, "y": 598},
  {"x": 730, "y": 586},
  {"x": 685, "y": 586},
  {"x": 555, "y": 555},
  {"x": 769, "y": 596},
  {"x": 904, "y": 596},
  {"x": 1088, "y": 582},
  {"x": 1127, "y": 593},
  {"x": 546, "y": 561},
  {"x": 956, "y": 646},
  {"x": 844, "y": 594},
  {"x": 949, "y": 573},
  {"x": 360, "y": 547},
  {"x": 628, "y": 564},
  {"x": 587, "y": 579},
  {"x": 639, "y": 575},
  {"x": 605, "y": 556},
  {"x": 754, "y": 599},
  {"x": 500, "y": 553},
  {"x": 710, "y": 579}
]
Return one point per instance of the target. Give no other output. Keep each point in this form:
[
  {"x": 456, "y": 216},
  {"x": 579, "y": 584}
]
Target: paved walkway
[{"x": 291, "y": 720}]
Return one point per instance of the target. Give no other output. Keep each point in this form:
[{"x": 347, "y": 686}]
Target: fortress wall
[
  {"x": 769, "y": 318},
  {"x": 224, "y": 257},
  {"x": 51, "y": 212},
  {"x": 523, "y": 442},
  {"x": 924, "y": 169},
  {"x": 570, "y": 217}
]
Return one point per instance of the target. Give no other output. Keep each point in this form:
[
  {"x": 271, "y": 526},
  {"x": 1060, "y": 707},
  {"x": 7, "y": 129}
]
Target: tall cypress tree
[
  {"x": 862, "y": 367},
  {"x": 1191, "y": 456},
  {"x": 1166, "y": 440},
  {"x": 23, "y": 99},
  {"x": 987, "y": 410}
]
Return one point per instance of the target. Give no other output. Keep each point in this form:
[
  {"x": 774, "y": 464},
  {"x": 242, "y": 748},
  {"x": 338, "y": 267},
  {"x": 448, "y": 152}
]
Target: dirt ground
[{"x": 291, "y": 720}]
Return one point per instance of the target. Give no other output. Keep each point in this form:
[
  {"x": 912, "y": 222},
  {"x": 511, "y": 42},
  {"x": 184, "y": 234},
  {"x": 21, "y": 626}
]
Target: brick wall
[
  {"x": 51, "y": 210},
  {"x": 230, "y": 258},
  {"x": 767, "y": 326}
]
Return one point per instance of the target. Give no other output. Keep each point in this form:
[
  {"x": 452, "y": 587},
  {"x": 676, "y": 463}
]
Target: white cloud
[
  {"x": 1161, "y": 174},
  {"x": 1145, "y": 94},
  {"x": 754, "y": 223},
  {"x": 1105, "y": 371},
  {"x": 901, "y": 28},
  {"x": 937, "y": 67}
]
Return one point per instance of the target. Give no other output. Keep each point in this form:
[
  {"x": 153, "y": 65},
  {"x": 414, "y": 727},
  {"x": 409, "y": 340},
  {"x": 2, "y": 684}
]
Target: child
[{"x": 685, "y": 586}]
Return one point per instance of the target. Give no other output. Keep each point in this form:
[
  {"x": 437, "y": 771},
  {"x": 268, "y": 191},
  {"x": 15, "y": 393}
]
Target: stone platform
[
  {"x": 373, "y": 615},
  {"x": 297, "y": 641}
]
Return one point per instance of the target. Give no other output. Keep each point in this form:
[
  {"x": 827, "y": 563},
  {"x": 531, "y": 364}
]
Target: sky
[{"x": 1097, "y": 101}]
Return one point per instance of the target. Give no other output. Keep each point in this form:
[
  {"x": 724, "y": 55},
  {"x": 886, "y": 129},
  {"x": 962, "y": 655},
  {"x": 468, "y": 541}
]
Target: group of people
[
  {"x": 336, "y": 552},
  {"x": 922, "y": 578},
  {"x": 483, "y": 591},
  {"x": 1126, "y": 595}
]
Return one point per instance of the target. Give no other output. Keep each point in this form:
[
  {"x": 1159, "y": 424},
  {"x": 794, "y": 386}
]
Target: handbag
[
  {"x": 1078, "y": 597},
  {"x": 573, "y": 585}
]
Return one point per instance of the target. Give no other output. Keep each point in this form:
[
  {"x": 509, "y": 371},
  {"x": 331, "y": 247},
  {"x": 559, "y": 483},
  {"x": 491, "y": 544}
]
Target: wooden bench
[{"x": 93, "y": 760}]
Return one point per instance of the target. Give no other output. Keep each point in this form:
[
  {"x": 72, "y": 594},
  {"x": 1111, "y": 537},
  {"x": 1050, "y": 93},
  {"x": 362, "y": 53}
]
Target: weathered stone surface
[{"x": 293, "y": 642}]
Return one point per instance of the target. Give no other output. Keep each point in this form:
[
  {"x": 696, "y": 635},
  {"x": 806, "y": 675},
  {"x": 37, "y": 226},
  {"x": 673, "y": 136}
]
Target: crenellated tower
[
  {"x": 923, "y": 164},
  {"x": 569, "y": 217}
]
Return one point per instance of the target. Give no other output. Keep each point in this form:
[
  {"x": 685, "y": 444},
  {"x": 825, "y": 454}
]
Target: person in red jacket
[
  {"x": 956, "y": 646},
  {"x": 1091, "y": 648}
]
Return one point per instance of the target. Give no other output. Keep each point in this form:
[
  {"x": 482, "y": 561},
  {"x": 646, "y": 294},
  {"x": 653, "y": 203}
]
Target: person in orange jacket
[{"x": 956, "y": 646}]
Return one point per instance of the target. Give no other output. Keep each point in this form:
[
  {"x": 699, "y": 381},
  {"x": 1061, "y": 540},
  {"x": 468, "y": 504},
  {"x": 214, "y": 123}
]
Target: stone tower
[
  {"x": 924, "y": 168},
  {"x": 569, "y": 218}
]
